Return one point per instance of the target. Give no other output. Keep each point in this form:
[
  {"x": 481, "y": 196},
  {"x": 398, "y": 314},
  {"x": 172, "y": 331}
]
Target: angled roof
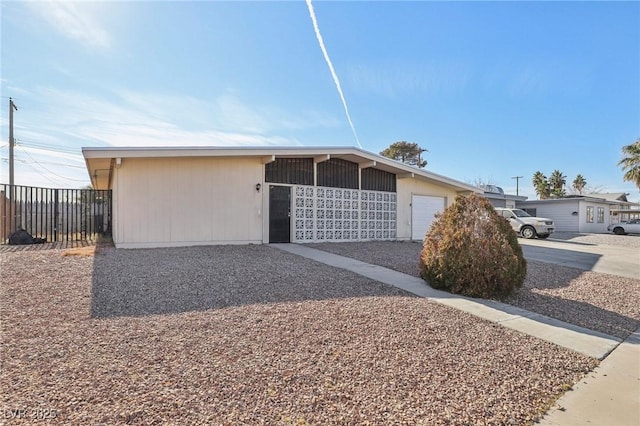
[
  {"x": 100, "y": 161},
  {"x": 494, "y": 196},
  {"x": 571, "y": 198},
  {"x": 612, "y": 196}
]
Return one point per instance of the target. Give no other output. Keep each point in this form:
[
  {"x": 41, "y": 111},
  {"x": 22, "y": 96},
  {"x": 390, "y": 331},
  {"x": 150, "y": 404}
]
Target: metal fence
[{"x": 55, "y": 214}]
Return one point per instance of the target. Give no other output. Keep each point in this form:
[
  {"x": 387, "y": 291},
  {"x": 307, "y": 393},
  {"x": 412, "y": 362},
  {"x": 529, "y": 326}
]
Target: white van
[{"x": 526, "y": 225}]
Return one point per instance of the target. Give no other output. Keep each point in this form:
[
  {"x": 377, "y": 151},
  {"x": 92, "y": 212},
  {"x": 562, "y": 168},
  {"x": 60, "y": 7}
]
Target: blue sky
[{"x": 492, "y": 89}]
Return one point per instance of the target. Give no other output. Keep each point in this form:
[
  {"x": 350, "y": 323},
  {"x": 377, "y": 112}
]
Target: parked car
[
  {"x": 630, "y": 227},
  {"x": 526, "y": 225}
]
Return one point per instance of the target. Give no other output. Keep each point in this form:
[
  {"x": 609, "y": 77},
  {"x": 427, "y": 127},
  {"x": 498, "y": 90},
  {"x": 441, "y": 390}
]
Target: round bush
[{"x": 473, "y": 251}]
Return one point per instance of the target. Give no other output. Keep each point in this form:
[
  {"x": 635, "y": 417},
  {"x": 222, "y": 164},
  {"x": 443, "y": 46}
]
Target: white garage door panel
[{"x": 423, "y": 210}]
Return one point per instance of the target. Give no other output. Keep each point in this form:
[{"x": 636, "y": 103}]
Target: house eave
[
  {"x": 92, "y": 156},
  {"x": 494, "y": 196},
  {"x": 572, "y": 199}
]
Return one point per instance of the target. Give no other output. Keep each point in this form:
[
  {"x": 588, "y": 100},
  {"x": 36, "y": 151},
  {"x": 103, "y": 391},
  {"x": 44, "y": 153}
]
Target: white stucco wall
[{"x": 187, "y": 201}]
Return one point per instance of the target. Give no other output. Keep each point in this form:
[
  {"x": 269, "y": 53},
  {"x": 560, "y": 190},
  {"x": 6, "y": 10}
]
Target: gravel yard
[
  {"x": 253, "y": 335},
  {"x": 600, "y": 302}
]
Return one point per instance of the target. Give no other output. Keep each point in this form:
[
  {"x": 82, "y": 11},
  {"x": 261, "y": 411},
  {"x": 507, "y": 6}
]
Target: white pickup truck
[{"x": 526, "y": 225}]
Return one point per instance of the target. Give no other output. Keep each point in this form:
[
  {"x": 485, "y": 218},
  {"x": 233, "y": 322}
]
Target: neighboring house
[
  {"x": 178, "y": 196},
  {"x": 584, "y": 214},
  {"x": 498, "y": 198},
  {"x": 624, "y": 210}
]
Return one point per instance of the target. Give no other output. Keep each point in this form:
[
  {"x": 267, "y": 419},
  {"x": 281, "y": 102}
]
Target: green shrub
[{"x": 471, "y": 250}]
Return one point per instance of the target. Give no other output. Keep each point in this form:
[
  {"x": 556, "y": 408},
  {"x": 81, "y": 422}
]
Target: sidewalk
[{"x": 610, "y": 395}]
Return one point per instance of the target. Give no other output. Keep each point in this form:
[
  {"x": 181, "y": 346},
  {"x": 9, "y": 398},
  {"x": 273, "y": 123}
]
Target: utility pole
[
  {"x": 12, "y": 189},
  {"x": 12, "y": 107},
  {"x": 517, "y": 178}
]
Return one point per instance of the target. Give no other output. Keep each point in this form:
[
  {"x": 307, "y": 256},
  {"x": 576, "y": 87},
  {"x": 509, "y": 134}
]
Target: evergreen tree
[{"x": 407, "y": 152}]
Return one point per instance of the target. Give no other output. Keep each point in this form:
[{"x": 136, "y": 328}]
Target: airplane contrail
[{"x": 333, "y": 72}]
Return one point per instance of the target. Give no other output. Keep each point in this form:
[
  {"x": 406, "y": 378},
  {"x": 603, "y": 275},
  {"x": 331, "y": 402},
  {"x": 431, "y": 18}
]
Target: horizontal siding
[
  {"x": 560, "y": 213},
  {"x": 564, "y": 219}
]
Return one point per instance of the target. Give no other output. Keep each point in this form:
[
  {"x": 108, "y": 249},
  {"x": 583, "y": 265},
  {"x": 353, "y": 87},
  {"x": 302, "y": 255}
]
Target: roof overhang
[
  {"x": 494, "y": 196},
  {"x": 102, "y": 160},
  {"x": 622, "y": 211},
  {"x": 572, "y": 199}
]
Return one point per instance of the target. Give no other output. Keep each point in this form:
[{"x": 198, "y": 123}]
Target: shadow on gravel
[
  {"x": 574, "y": 312},
  {"x": 541, "y": 276},
  {"x": 173, "y": 280}
]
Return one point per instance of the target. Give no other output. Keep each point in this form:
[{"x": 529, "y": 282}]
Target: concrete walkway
[{"x": 610, "y": 395}]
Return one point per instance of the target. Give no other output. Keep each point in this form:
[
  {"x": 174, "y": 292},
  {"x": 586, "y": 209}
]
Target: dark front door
[{"x": 279, "y": 214}]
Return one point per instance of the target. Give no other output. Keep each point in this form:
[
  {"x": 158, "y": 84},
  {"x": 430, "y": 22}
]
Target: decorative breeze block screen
[{"x": 337, "y": 214}]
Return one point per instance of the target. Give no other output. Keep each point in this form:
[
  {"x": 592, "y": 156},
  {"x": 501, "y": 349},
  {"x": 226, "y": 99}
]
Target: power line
[
  {"x": 55, "y": 182},
  {"x": 55, "y": 174},
  {"x": 25, "y": 105},
  {"x": 38, "y": 171},
  {"x": 47, "y": 162},
  {"x": 47, "y": 147}
]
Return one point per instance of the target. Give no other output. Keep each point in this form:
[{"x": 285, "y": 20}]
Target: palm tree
[
  {"x": 631, "y": 163},
  {"x": 557, "y": 181},
  {"x": 579, "y": 183},
  {"x": 541, "y": 185}
]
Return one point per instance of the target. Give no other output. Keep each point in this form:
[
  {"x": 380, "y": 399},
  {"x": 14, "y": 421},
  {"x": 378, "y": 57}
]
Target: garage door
[{"x": 423, "y": 210}]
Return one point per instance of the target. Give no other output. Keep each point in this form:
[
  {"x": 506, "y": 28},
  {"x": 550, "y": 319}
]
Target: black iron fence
[{"x": 55, "y": 214}]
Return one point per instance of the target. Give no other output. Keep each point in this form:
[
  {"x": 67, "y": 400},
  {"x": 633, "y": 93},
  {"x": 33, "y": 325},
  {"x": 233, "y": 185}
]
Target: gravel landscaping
[
  {"x": 253, "y": 335},
  {"x": 600, "y": 302}
]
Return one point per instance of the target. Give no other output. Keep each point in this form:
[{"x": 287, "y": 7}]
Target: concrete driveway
[{"x": 622, "y": 261}]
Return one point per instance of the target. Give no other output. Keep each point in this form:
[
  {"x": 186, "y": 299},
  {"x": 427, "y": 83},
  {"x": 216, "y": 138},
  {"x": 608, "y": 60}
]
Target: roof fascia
[
  {"x": 198, "y": 151},
  {"x": 565, "y": 200}
]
